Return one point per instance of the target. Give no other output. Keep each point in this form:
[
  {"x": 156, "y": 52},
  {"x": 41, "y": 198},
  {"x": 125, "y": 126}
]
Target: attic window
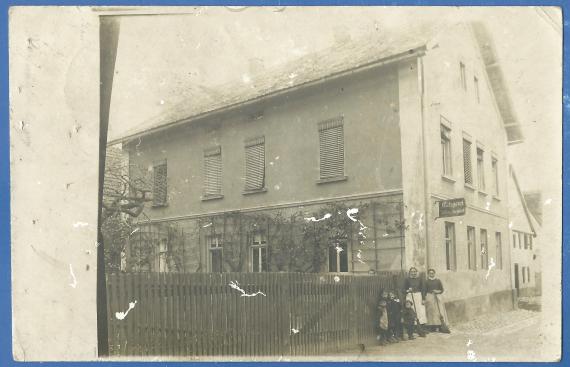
[
  {"x": 476, "y": 86},
  {"x": 462, "y": 76},
  {"x": 159, "y": 190}
]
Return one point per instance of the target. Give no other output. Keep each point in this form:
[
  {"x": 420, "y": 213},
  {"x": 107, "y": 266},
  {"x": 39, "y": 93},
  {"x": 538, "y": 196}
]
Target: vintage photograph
[{"x": 323, "y": 183}]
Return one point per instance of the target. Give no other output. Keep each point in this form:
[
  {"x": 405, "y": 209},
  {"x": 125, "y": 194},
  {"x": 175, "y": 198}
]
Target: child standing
[
  {"x": 383, "y": 323},
  {"x": 394, "y": 317},
  {"x": 409, "y": 317}
]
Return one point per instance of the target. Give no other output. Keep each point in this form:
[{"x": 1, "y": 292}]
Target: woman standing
[
  {"x": 415, "y": 292},
  {"x": 435, "y": 308}
]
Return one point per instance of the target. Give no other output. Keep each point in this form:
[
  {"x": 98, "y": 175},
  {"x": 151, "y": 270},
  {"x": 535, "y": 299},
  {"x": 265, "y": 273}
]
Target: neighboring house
[
  {"x": 525, "y": 250},
  {"x": 391, "y": 129}
]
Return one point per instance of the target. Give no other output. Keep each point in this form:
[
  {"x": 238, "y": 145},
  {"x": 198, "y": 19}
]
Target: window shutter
[
  {"x": 331, "y": 148},
  {"x": 255, "y": 163},
  {"x": 159, "y": 188},
  {"x": 213, "y": 171},
  {"x": 467, "y": 168}
]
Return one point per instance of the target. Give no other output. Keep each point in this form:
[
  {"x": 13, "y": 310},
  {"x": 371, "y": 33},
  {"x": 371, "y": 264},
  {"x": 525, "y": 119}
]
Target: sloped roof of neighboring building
[
  {"x": 532, "y": 222},
  {"x": 534, "y": 203}
]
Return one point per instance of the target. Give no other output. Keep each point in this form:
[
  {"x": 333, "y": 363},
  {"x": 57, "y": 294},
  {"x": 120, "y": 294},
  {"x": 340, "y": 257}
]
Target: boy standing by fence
[
  {"x": 409, "y": 317},
  {"x": 394, "y": 317}
]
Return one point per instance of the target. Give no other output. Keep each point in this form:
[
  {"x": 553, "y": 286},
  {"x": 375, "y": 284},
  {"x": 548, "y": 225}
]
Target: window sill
[
  {"x": 156, "y": 206},
  {"x": 212, "y": 197},
  {"x": 256, "y": 191},
  {"x": 332, "y": 179},
  {"x": 470, "y": 187},
  {"x": 495, "y": 197},
  {"x": 448, "y": 178},
  {"x": 482, "y": 193}
]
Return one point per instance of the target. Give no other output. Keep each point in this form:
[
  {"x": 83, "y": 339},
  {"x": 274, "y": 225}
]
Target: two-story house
[{"x": 337, "y": 162}]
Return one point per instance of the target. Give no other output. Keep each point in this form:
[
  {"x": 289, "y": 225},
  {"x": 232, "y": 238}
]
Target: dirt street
[{"x": 510, "y": 336}]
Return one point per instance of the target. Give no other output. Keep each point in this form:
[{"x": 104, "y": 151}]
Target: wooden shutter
[
  {"x": 213, "y": 171},
  {"x": 467, "y": 165},
  {"x": 331, "y": 148},
  {"x": 160, "y": 187},
  {"x": 255, "y": 163}
]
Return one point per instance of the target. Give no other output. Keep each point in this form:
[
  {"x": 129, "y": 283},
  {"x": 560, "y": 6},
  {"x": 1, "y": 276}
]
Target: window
[
  {"x": 446, "y": 150},
  {"x": 338, "y": 258},
  {"x": 467, "y": 168},
  {"x": 484, "y": 250},
  {"x": 258, "y": 252},
  {"x": 476, "y": 86},
  {"x": 450, "y": 246},
  {"x": 525, "y": 241},
  {"x": 159, "y": 189},
  {"x": 462, "y": 77},
  {"x": 471, "y": 249},
  {"x": 480, "y": 169},
  {"x": 255, "y": 164},
  {"x": 514, "y": 240},
  {"x": 331, "y": 148},
  {"x": 528, "y": 273},
  {"x": 495, "y": 167},
  {"x": 499, "y": 250},
  {"x": 524, "y": 274},
  {"x": 163, "y": 255},
  {"x": 520, "y": 240},
  {"x": 213, "y": 172},
  {"x": 530, "y": 242},
  {"x": 215, "y": 245}
]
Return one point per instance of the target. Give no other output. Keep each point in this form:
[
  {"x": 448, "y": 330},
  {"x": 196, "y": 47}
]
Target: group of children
[{"x": 395, "y": 318}]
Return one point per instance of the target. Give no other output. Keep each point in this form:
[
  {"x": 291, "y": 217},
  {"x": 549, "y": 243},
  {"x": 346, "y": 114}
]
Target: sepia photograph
[{"x": 276, "y": 183}]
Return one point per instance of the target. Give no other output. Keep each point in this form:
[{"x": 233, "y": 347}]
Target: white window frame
[
  {"x": 446, "y": 149},
  {"x": 472, "y": 249},
  {"x": 344, "y": 252},
  {"x": 481, "y": 184},
  {"x": 499, "y": 250},
  {"x": 218, "y": 247},
  {"x": 450, "y": 247},
  {"x": 484, "y": 254},
  {"x": 495, "y": 171},
  {"x": 258, "y": 245}
]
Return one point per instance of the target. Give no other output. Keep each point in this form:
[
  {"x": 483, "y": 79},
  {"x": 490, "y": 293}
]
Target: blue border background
[{"x": 5, "y": 263}]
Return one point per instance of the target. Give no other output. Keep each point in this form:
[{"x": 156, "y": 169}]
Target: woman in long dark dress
[
  {"x": 435, "y": 308},
  {"x": 414, "y": 289}
]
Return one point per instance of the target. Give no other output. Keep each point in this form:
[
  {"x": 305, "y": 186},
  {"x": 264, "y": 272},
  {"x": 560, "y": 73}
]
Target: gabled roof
[
  {"x": 335, "y": 61},
  {"x": 338, "y": 60}
]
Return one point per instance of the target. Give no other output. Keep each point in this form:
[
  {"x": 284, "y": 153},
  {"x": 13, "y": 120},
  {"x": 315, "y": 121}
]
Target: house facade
[
  {"x": 343, "y": 173},
  {"x": 525, "y": 247}
]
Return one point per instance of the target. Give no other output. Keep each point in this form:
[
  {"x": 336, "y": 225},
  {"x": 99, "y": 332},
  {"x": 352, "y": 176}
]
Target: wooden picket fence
[{"x": 179, "y": 314}]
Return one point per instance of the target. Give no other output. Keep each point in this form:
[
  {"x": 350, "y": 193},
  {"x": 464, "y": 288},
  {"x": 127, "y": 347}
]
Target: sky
[{"x": 165, "y": 60}]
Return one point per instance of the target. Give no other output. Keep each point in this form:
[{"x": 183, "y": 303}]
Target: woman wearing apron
[
  {"x": 415, "y": 292},
  {"x": 435, "y": 308}
]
